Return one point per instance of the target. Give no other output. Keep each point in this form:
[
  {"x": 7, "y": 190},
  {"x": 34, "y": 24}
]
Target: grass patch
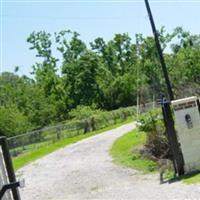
[
  {"x": 123, "y": 153},
  {"x": 192, "y": 178},
  {"x": 35, "y": 154}
]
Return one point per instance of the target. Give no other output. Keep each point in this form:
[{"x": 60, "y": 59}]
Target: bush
[
  {"x": 12, "y": 121},
  {"x": 82, "y": 112},
  {"x": 91, "y": 119},
  {"x": 156, "y": 145}
]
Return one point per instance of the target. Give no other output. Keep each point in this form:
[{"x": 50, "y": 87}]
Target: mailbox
[{"x": 187, "y": 125}]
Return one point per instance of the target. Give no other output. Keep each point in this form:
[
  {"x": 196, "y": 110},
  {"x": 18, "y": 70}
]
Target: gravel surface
[{"x": 85, "y": 171}]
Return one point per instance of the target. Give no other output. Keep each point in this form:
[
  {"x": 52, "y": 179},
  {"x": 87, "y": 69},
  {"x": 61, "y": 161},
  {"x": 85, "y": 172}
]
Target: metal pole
[
  {"x": 9, "y": 166},
  {"x": 162, "y": 61},
  {"x": 7, "y": 187}
]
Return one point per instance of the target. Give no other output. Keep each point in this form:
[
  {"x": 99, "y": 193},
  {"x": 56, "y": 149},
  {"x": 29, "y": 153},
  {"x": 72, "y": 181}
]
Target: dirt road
[{"x": 85, "y": 171}]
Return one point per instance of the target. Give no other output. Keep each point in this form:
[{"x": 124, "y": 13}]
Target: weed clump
[{"x": 156, "y": 146}]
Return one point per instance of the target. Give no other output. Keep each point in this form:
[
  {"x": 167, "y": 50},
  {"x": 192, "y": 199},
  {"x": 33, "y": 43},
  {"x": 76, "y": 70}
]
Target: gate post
[
  {"x": 178, "y": 160},
  {"x": 9, "y": 167}
]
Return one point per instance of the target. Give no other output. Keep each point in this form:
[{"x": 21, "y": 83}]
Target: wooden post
[
  {"x": 172, "y": 139},
  {"x": 162, "y": 61}
]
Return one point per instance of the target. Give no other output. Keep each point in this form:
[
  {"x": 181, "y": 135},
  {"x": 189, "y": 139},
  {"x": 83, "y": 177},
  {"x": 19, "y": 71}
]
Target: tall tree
[{"x": 46, "y": 72}]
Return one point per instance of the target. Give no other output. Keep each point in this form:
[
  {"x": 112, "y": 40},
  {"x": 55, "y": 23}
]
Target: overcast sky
[{"x": 89, "y": 18}]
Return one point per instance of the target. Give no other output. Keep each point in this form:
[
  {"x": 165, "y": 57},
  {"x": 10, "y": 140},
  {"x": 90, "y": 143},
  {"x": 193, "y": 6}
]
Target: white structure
[{"x": 187, "y": 124}]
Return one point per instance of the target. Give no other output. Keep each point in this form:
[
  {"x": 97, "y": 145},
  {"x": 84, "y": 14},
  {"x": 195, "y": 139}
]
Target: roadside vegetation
[
  {"x": 156, "y": 146},
  {"x": 147, "y": 144},
  {"x": 35, "y": 154},
  {"x": 104, "y": 75},
  {"x": 191, "y": 179},
  {"x": 125, "y": 152},
  {"x": 85, "y": 120},
  {"x": 85, "y": 82},
  {"x": 146, "y": 148}
]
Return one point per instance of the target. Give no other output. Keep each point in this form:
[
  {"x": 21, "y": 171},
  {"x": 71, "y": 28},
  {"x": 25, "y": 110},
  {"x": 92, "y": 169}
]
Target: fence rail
[
  {"x": 21, "y": 144},
  {"x": 24, "y": 143}
]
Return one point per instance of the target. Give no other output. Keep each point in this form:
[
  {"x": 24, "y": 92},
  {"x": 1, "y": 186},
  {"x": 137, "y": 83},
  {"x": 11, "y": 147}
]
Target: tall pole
[
  {"x": 162, "y": 61},
  {"x": 168, "y": 119}
]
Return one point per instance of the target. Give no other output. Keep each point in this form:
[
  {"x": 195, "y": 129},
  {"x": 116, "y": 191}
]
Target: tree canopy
[{"x": 103, "y": 75}]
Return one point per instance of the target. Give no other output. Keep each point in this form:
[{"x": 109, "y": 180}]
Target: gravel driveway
[{"x": 85, "y": 171}]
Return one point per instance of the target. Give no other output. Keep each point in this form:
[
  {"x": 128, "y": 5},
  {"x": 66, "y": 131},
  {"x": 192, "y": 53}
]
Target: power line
[
  {"x": 100, "y": 1},
  {"x": 64, "y": 18}
]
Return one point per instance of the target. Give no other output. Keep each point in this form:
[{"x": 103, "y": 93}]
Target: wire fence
[
  {"x": 24, "y": 143},
  {"x": 147, "y": 106}
]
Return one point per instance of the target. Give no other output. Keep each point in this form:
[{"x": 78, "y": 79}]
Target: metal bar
[
  {"x": 7, "y": 187},
  {"x": 198, "y": 104},
  {"x": 162, "y": 61},
  {"x": 9, "y": 167}
]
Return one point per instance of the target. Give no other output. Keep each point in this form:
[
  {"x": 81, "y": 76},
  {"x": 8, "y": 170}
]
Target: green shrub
[
  {"x": 85, "y": 119},
  {"x": 89, "y": 118},
  {"x": 12, "y": 121},
  {"x": 82, "y": 112},
  {"x": 156, "y": 145},
  {"x": 152, "y": 122}
]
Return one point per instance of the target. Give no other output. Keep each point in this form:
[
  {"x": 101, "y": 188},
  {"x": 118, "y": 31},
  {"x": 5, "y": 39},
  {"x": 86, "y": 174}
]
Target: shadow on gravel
[{"x": 183, "y": 177}]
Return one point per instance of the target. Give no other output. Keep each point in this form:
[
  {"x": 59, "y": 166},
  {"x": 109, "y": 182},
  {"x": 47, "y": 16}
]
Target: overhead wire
[{"x": 99, "y": 1}]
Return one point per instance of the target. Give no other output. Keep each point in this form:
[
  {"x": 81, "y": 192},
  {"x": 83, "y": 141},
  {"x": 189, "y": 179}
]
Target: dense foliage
[
  {"x": 103, "y": 75},
  {"x": 156, "y": 145},
  {"x": 85, "y": 121}
]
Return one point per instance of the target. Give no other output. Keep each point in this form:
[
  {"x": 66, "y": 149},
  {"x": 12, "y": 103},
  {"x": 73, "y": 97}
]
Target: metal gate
[{"x": 8, "y": 183}]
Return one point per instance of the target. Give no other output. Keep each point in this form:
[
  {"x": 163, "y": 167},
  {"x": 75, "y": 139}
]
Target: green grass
[
  {"x": 123, "y": 152},
  {"x": 191, "y": 179},
  {"x": 33, "y": 155}
]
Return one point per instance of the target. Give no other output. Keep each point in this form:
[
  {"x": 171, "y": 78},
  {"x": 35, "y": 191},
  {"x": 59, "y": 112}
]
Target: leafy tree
[
  {"x": 71, "y": 48},
  {"x": 12, "y": 121},
  {"x": 117, "y": 55},
  {"x": 185, "y": 72},
  {"x": 80, "y": 79},
  {"x": 106, "y": 75},
  {"x": 47, "y": 79},
  {"x": 185, "y": 40},
  {"x": 45, "y": 72}
]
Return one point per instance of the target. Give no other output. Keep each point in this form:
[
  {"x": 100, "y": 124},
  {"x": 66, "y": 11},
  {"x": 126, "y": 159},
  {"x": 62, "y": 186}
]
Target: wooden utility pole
[
  {"x": 167, "y": 114},
  {"x": 162, "y": 61}
]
